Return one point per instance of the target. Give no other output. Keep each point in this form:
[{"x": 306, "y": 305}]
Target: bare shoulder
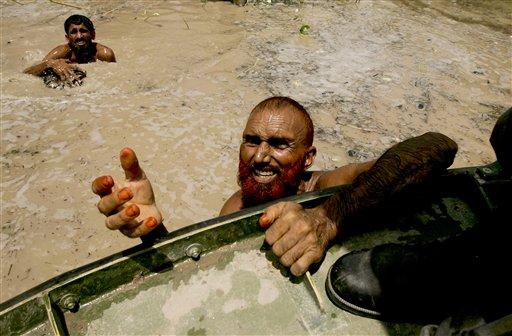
[
  {"x": 104, "y": 53},
  {"x": 234, "y": 203},
  {"x": 342, "y": 175},
  {"x": 60, "y": 52}
]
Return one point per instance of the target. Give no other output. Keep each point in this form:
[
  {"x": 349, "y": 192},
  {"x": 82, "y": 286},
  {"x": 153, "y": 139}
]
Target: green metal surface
[{"x": 237, "y": 286}]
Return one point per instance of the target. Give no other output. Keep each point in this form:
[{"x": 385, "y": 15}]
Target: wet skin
[
  {"x": 128, "y": 204},
  {"x": 79, "y": 49},
  {"x": 273, "y": 155},
  {"x": 275, "y": 150},
  {"x": 80, "y": 37}
]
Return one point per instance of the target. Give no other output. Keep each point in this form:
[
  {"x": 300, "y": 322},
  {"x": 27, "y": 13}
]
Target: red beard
[{"x": 285, "y": 184}]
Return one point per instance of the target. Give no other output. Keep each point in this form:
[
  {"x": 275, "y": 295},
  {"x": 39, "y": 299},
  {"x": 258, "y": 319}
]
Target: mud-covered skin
[
  {"x": 130, "y": 204},
  {"x": 404, "y": 165},
  {"x": 300, "y": 236}
]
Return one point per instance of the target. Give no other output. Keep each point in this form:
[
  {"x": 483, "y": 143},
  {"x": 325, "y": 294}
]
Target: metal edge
[{"x": 171, "y": 237}]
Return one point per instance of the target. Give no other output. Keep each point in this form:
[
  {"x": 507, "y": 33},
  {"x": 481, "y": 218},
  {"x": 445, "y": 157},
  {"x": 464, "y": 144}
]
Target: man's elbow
[
  {"x": 446, "y": 148},
  {"x": 443, "y": 141}
]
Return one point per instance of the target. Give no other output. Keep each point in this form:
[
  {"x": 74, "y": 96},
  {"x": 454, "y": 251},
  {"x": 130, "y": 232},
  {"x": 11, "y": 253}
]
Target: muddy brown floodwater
[{"x": 370, "y": 72}]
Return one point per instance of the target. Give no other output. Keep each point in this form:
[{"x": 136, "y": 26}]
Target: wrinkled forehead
[{"x": 282, "y": 123}]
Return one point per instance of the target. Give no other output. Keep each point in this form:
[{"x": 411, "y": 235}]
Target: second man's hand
[
  {"x": 129, "y": 204},
  {"x": 299, "y": 237},
  {"x": 67, "y": 71}
]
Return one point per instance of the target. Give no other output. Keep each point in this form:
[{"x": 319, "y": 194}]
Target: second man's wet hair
[
  {"x": 77, "y": 20},
  {"x": 288, "y": 103}
]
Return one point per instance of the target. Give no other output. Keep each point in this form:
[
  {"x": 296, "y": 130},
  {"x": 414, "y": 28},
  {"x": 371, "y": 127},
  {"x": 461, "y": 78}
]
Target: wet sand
[{"x": 371, "y": 73}]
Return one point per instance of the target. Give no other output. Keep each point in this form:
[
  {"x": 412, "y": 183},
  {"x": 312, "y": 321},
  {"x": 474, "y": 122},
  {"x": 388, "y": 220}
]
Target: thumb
[
  {"x": 272, "y": 213},
  {"x": 130, "y": 165}
]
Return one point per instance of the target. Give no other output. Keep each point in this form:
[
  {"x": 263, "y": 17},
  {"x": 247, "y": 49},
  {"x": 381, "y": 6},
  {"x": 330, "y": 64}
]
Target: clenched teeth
[{"x": 263, "y": 173}]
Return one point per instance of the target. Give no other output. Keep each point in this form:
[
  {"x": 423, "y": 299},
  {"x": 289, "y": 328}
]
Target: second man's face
[{"x": 79, "y": 36}]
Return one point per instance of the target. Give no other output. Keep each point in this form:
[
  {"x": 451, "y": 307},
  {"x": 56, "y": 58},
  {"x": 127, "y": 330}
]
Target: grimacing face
[
  {"x": 79, "y": 36},
  {"x": 273, "y": 155}
]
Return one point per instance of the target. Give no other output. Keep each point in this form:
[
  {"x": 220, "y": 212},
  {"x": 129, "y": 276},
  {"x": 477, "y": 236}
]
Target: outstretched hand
[
  {"x": 130, "y": 204},
  {"x": 298, "y": 236}
]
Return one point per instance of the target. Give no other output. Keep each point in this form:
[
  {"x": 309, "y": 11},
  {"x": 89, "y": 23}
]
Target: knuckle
[
  {"x": 277, "y": 249},
  {"x": 286, "y": 260},
  {"x": 273, "y": 233},
  {"x": 270, "y": 238},
  {"x": 303, "y": 227},
  {"x": 311, "y": 240},
  {"x": 315, "y": 256},
  {"x": 273, "y": 207},
  {"x": 292, "y": 206},
  {"x": 101, "y": 206},
  {"x": 303, "y": 264},
  {"x": 108, "y": 223},
  {"x": 298, "y": 268},
  {"x": 287, "y": 204},
  {"x": 290, "y": 216}
]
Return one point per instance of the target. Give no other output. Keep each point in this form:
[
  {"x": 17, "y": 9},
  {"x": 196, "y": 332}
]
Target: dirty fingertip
[
  {"x": 151, "y": 222},
  {"x": 264, "y": 220},
  {"x": 107, "y": 182},
  {"x": 125, "y": 194},
  {"x": 126, "y": 152},
  {"x": 132, "y": 210}
]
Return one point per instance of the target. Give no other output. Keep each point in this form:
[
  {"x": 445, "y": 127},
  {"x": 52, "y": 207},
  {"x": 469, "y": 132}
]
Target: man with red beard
[
  {"x": 80, "y": 48},
  {"x": 276, "y": 151}
]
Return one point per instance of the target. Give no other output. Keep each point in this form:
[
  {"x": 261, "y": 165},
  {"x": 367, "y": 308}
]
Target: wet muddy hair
[
  {"x": 78, "y": 19},
  {"x": 286, "y": 103}
]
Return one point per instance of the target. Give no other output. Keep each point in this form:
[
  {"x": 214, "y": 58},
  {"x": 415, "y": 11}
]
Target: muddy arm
[
  {"x": 54, "y": 58},
  {"x": 404, "y": 165},
  {"x": 37, "y": 69},
  {"x": 299, "y": 237}
]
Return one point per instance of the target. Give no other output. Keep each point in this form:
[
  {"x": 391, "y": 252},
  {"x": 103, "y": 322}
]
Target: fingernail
[
  {"x": 151, "y": 223},
  {"x": 125, "y": 152},
  {"x": 264, "y": 219},
  {"x": 131, "y": 211},
  {"x": 125, "y": 194},
  {"x": 106, "y": 182}
]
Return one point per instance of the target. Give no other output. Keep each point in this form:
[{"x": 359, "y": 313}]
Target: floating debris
[{"x": 304, "y": 30}]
